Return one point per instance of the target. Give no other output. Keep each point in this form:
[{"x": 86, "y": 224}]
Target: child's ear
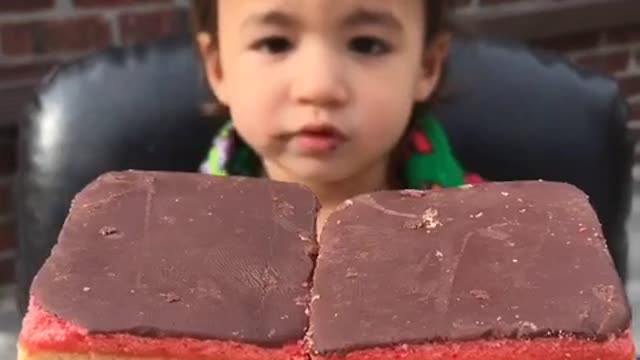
[
  {"x": 210, "y": 56},
  {"x": 433, "y": 62}
]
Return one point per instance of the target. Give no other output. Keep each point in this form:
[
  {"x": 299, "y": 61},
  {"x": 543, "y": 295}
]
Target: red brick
[
  {"x": 635, "y": 111},
  {"x": 12, "y": 105},
  {"x": 112, "y": 3},
  {"x": 7, "y": 270},
  {"x": 8, "y": 151},
  {"x": 609, "y": 63},
  {"x": 630, "y": 85},
  {"x": 6, "y": 198},
  {"x": 139, "y": 27},
  {"x": 623, "y": 35},
  {"x": 7, "y": 236},
  {"x": 498, "y": 2},
  {"x": 570, "y": 42},
  {"x": 25, "y": 5},
  {"x": 461, "y": 3},
  {"x": 52, "y": 36},
  {"x": 35, "y": 71}
]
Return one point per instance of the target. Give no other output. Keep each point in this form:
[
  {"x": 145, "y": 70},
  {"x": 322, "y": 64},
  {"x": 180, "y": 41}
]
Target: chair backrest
[{"x": 511, "y": 114}]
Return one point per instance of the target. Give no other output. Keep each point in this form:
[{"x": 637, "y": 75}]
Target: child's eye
[
  {"x": 368, "y": 45},
  {"x": 273, "y": 45}
]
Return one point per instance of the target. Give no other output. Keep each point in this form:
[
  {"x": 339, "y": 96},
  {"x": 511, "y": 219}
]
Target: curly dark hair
[{"x": 205, "y": 19}]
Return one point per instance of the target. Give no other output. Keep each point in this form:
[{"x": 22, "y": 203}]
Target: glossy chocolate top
[
  {"x": 160, "y": 254},
  {"x": 499, "y": 260}
]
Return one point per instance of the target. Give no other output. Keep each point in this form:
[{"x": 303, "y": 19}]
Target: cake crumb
[
  {"x": 303, "y": 237},
  {"x": 428, "y": 220},
  {"x": 171, "y": 297},
  {"x": 345, "y": 204},
  {"x": 111, "y": 232},
  {"x": 351, "y": 274},
  {"x": 86, "y": 289},
  {"x": 413, "y": 193},
  {"x": 439, "y": 255},
  {"x": 301, "y": 300},
  {"x": 479, "y": 294}
]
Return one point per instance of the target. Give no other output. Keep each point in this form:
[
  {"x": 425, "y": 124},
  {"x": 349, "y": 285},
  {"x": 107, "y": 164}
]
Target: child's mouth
[{"x": 318, "y": 140}]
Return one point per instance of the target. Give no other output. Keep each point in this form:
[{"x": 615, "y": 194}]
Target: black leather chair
[{"x": 511, "y": 113}]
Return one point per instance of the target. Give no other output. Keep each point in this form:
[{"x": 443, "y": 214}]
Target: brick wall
[
  {"x": 37, "y": 34},
  {"x": 614, "y": 51}
]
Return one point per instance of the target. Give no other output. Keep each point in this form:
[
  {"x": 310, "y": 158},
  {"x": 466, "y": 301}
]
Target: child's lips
[{"x": 318, "y": 140}]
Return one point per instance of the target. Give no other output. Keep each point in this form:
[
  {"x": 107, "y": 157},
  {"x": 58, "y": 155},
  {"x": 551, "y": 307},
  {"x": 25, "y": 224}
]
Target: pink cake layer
[
  {"x": 44, "y": 332},
  {"x": 619, "y": 348}
]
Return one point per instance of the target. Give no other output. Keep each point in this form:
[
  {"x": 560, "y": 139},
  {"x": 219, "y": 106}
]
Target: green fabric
[
  {"x": 438, "y": 166},
  {"x": 215, "y": 154}
]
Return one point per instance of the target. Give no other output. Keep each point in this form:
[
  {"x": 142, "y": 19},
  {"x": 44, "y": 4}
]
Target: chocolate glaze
[
  {"x": 159, "y": 254},
  {"x": 499, "y": 260}
]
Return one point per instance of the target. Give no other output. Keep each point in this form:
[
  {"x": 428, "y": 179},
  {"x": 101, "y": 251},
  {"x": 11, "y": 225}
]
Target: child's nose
[{"x": 319, "y": 78}]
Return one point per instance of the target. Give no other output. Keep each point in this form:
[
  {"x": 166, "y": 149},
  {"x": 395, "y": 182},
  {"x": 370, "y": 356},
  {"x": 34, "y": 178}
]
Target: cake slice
[
  {"x": 153, "y": 265},
  {"x": 496, "y": 271}
]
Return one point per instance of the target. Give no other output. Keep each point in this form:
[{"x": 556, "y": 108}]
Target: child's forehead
[{"x": 319, "y": 11}]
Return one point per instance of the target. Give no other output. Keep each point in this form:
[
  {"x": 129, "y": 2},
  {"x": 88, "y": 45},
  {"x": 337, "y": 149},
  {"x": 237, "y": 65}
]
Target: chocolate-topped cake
[
  {"x": 494, "y": 272},
  {"x": 153, "y": 265},
  {"x": 159, "y": 266}
]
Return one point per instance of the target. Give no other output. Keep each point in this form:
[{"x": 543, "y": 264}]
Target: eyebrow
[
  {"x": 359, "y": 17},
  {"x": 366, "y": 17},
  {"x": 271, "y": 17}
]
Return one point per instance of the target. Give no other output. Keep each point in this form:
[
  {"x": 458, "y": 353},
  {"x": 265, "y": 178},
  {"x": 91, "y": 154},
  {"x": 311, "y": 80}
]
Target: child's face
[{"x": 322, "y": 90}]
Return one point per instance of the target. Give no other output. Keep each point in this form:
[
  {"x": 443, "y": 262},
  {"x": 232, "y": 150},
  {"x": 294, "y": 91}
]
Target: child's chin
[{"x": 323, "y": 172}]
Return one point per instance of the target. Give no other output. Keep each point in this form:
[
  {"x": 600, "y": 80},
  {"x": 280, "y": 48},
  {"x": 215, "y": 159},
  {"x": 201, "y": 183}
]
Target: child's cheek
[{"x": 386, "y": 117}]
